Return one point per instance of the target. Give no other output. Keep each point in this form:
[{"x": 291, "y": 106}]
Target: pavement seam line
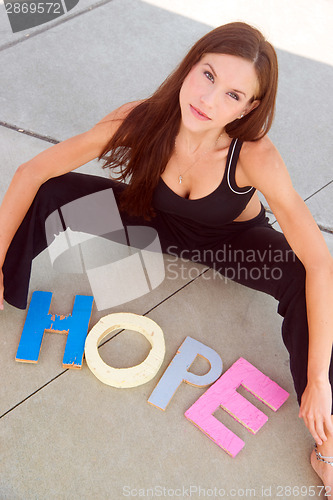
[
  {"x": 179, "y": 290},
  {"x": 29, "y": 133},
  {"x": 159, "y": 303},
  {"x": 28, "y": 36},
  {"x": 318, "y": 190},
  {"x": 33, "y": 393}
]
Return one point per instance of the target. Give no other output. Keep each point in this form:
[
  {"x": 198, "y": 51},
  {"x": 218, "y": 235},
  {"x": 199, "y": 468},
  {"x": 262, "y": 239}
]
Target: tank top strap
[{"x": 232, "y": 159}]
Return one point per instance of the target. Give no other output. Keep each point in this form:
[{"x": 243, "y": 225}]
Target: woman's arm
[
  {"x": 265, "y": 169},
  {"x": 54, "y": 161}
]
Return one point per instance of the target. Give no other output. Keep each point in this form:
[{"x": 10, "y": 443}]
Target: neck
[{"x": 196, "y": 142}]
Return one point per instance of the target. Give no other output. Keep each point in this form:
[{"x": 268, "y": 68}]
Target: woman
[{"x": 180, "y": 149}]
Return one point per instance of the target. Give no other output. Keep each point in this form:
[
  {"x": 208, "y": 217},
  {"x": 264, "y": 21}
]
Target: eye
[
  {"x": 209, "y": 76},
  {"x": 233, "y": 95}
]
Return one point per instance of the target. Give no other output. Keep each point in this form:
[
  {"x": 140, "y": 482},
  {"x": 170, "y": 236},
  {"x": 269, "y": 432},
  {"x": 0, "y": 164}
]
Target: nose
[{"x": 208, "y": 98}]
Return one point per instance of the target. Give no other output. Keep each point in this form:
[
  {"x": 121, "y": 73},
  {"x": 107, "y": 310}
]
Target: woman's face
[{"x": 217, "y": 91}]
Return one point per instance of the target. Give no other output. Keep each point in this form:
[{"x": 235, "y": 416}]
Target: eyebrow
[{"x": 214, "y": 73}]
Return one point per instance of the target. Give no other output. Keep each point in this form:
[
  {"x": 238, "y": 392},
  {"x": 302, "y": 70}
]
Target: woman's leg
[
  {"x": 260, "y": 257},
  {"x": 31, "y": 237}
]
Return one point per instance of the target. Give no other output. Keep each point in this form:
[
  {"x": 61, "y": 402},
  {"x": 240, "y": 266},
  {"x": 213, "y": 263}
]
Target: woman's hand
[
  {"x": 316, "y": 405},
  {"x": 1, "y": 289}
]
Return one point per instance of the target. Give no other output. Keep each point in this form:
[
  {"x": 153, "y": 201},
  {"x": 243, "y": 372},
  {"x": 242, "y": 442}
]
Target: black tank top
[
  {"x": 220, "y": 207},
  {"x": 198, "y": 222}
]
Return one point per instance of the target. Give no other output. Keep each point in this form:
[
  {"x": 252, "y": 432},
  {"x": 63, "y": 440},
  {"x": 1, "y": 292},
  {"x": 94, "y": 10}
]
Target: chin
[{"x": 191, "y": 123}]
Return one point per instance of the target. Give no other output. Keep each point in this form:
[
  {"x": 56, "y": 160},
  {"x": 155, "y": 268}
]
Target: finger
[
  {"x": 328, "y": 425},
  {"x": 310, "y": 425},
  {"x": 320, "y": 430}
]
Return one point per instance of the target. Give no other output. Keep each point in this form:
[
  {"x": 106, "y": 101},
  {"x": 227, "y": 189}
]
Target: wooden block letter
[
  {"x": 224, "y": 393},
  {"x": 135, "y": 375},
  {"x": 39, "y": 319},
  {"x": 178, "y": 371}
]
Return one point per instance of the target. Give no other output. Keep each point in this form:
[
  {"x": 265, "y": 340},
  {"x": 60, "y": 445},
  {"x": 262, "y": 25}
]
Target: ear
[{"x": 251, "y": 106}]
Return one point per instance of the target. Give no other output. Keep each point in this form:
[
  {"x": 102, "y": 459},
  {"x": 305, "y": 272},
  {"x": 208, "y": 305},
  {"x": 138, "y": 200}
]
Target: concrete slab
[
  {"x": 110, "y": 443},
  {"x": 8, "y": 38},
  {"x": 299, "y": 145},
  {"x": 94, "y": 65}
]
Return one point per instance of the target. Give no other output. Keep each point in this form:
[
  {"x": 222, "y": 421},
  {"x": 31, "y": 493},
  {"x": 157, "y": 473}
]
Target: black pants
[{"x": 251, "y": 253}]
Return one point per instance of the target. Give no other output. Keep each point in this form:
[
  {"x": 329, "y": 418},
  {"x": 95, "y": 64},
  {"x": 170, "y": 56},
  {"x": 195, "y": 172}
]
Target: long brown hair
[{"x": 143, "y": 144}]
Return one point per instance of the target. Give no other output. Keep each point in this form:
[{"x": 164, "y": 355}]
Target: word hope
[{"x": 223, "y": 393}]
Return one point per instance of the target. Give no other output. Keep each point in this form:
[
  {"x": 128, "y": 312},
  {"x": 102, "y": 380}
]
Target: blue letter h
[{"x": 39, "y": 319}]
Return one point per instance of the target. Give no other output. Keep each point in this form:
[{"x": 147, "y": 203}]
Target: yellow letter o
[{"x": 135, "y": 375}]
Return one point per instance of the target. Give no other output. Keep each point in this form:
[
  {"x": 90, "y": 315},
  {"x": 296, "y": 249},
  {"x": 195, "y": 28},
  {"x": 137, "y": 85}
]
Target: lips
[{"x": 198, "y": 113}]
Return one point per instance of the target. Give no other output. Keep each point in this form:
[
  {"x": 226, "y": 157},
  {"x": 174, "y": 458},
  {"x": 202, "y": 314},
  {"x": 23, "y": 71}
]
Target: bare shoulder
[
  {"x": 259, "y": 152},
  {"x": 261, "y": 163}
]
